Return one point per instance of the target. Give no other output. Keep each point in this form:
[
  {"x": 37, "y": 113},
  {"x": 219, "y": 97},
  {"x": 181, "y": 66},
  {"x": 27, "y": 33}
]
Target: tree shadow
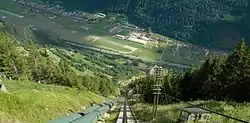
[
  {"x": 165, "y": 119},
  {"x": 213, "y": 105}
]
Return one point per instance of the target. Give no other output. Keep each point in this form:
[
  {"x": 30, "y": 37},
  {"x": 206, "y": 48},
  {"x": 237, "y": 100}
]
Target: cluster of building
[
  {"x": 141, "y": 37},
  {"x": 56, "y": 9},
  {"x": 137, "y": 37}
]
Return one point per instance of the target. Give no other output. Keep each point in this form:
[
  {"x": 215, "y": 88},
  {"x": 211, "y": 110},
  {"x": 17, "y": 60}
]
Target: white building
[
  {"x": 120, "y": 36},
  {"x": 137, "y": 40}
]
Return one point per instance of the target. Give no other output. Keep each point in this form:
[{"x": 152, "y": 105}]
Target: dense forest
[
  {"x": 213, "y": 23},
  {"x": 33, "y": 62},
  {"x": 220, "y": 78}
]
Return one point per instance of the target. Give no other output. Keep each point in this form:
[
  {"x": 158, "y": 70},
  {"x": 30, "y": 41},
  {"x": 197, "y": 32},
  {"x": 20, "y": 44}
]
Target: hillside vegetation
[
  {"x": 47, "y": 82},
  {"x": 214, "y": 23},
  {"x": 31, "y": 102},
  {"x": 170, "y": 113},
  {"x": 219, "y": 79},
  {"x": 34, "y": 63}
]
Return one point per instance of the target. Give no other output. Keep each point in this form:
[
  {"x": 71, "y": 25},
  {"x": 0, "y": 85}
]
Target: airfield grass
[
  {"x": 31, "y": 102},
  {"x": 110, "y": 44},
  {"x": 105, "y": 45},
  {"x": 183, "y": 56},
  {"x": 97, "y": 28},
  {"x": 9, "y": 5},
  {"x": 146, "y": 54},
  {"x": 141, "y": 51},
  {"x": 124, "y": 42},
  {"x": 69, "y": 23},
  {"x": 170, "y": 113},
  {"x": 178, "y": 59}
]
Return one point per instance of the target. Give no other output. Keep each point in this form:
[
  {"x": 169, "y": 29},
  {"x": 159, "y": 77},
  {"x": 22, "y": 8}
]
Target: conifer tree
[
  {"x": 212, "y": 87},
  {"x": 34, "y": 58},
  {"x": 10, "y": 57},
  {"x": 232, "y": 71}
]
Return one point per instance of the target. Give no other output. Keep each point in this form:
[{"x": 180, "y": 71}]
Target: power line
[
  {"x": 157, "y": 90},
  {"x": 227, "y": 116}
]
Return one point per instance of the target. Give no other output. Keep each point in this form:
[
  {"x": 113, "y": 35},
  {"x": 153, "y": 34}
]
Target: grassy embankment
[
  {"x": 171, "y": 113},
  {"x": 113, "y": 115},
  {"x": 31, "y": 102}
]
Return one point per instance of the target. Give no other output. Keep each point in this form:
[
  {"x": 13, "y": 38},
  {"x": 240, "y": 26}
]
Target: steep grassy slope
[
  {"x": 171, "y": 113},
  {"x": 31, "y": 102}
]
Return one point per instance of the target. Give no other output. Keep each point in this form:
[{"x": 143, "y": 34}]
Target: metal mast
[
  {"x": 157, "y": 88},
  {"x": 158, "y": 77}
]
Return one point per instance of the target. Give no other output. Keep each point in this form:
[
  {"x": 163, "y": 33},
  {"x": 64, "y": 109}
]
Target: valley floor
[{"x": 29, "y": 102}]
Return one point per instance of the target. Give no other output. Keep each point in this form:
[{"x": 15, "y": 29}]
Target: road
[{"x": 10, "y": 13}]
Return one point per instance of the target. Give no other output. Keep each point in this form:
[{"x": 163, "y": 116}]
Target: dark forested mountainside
[
  {"x": 214, "y": 23},
  {"x": 93, "y": 5}
]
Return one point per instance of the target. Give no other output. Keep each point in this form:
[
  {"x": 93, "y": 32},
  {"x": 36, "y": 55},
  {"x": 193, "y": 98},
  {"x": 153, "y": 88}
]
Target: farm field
[
  {"x": 98, "y": 34},
  {"x": 182, "y": 56},
  {"x": 109, "y": 44},
  {"x": 68, "y": 29},
  {"x": 8, "y": 5}
]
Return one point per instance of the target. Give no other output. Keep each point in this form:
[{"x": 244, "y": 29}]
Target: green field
[
  {"x": 9, "y": 5},
  {"x": 109, "y": 44},
  {"x": 125, "y": 42},
  {"x": 31, "y": 102},
  {"x": 141, "y": 51},
  {"x": 64, "y": 27},
  {"x": 178, "y": 59}
]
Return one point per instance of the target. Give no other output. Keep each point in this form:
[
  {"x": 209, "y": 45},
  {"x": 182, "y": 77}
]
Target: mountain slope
[
  {"x": 44, "y": 85},
  {"x": 31, "y": 102},
  {"x": 30, "y": 61},
  {"x": 217, "y": 24}
]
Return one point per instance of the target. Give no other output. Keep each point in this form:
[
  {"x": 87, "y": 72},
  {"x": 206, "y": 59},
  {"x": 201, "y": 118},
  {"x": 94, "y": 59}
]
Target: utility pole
[{"x": 157, "y": 88}]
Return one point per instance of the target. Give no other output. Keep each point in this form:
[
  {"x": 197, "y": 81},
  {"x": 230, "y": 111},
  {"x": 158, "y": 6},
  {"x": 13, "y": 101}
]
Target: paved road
[{"x": 11, "y": 13}]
